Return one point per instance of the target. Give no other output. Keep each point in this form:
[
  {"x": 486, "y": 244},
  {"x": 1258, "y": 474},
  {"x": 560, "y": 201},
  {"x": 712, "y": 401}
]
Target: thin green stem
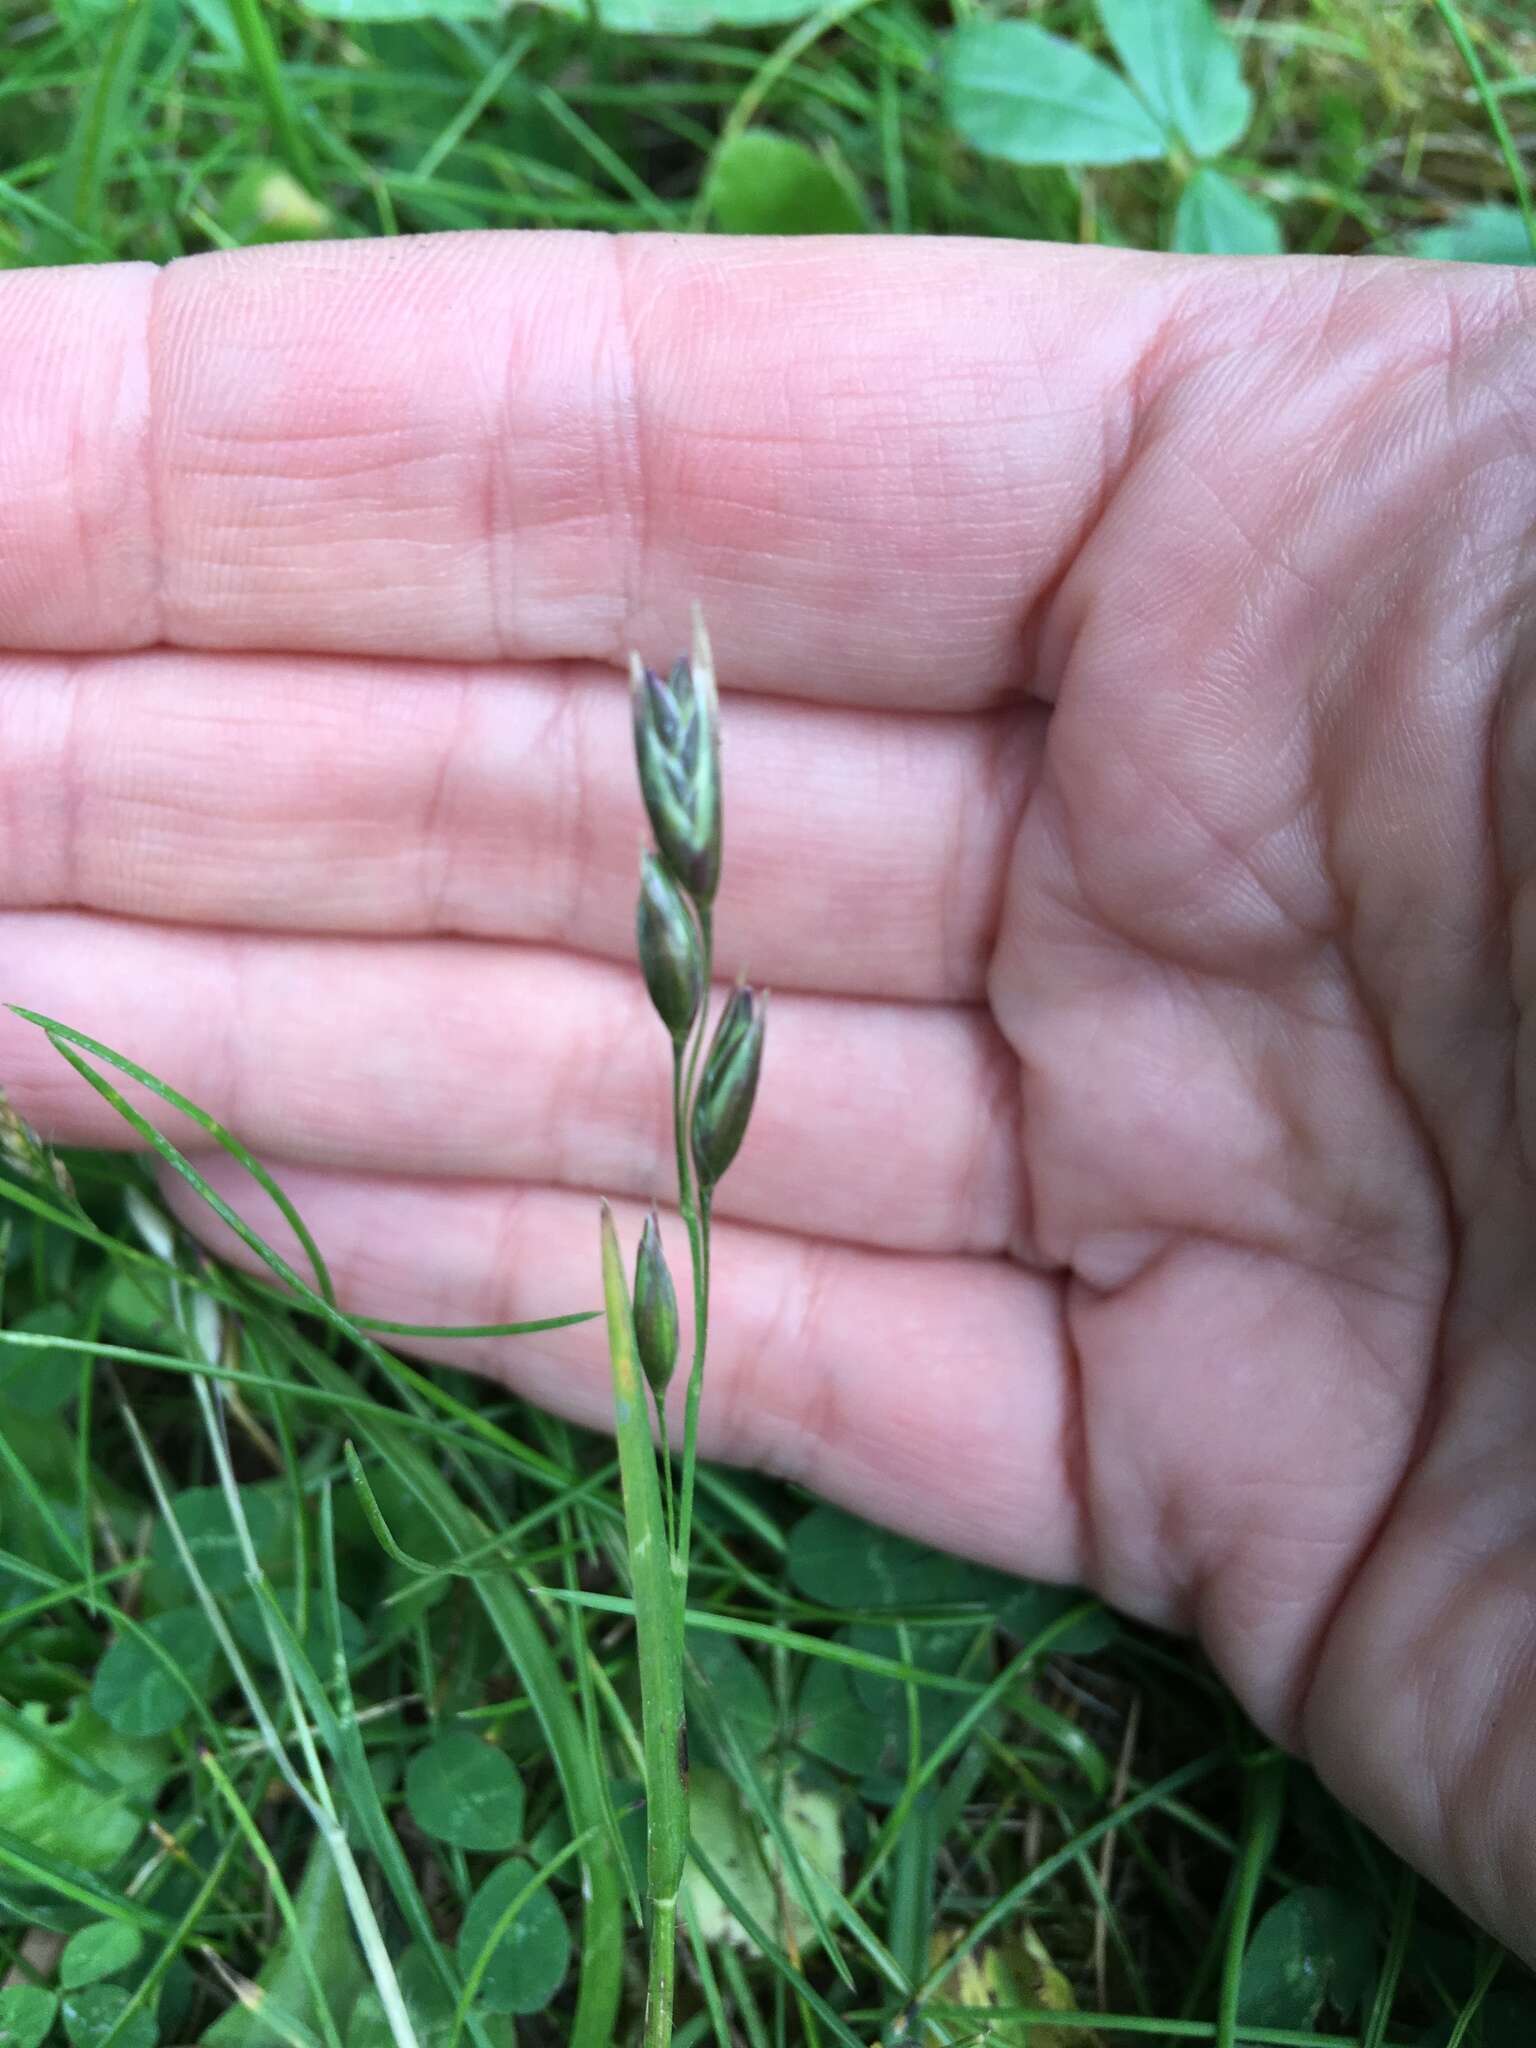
[
  {"x": 661, "y": 1979},
  {"x": 695, "y": 1199},
  {"x": 691, "y": 1408},
  {"x": 658, "y": 1633},
  {"x": 668, "y": 1484}
]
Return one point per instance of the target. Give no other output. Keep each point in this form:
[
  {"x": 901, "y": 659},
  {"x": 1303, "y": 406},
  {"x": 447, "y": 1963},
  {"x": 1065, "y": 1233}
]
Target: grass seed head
[
  {"x": 728, "y": 1084},
  {"x": 667, "y": 941},
  {"x": 655, "y": 1309},
  {"x": 24, "y": 1152},
  {"x": 677, "y": 747}
]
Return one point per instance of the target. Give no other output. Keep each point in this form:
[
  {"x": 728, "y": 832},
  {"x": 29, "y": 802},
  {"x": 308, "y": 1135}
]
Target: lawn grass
[{"x": 319, "y": 1713}]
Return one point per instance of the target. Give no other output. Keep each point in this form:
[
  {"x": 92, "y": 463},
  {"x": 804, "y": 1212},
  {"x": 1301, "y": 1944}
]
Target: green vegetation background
[{"x": 317, "y": 1693}]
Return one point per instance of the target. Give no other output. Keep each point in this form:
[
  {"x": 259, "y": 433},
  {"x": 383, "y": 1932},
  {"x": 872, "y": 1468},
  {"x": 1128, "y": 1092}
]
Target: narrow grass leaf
[
  {"x": 63, "y": 1039},
  {"x": 149, "y": 1682}
]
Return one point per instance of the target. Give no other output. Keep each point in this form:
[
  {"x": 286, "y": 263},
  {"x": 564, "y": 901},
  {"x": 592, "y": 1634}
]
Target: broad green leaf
[
  {"x": 461, "y": 1790},
  {"x": 1014, "y": 91},
  {"x": 830, "y": 1720},
  {"x": 885, "y": 1700},
  {"x": 1480, "y": 234},
  {"x": 766, "y": 184},
  {"x": 62, "y": 1814},
  {"x": 96, "y": 2011},
  {"x": 530, "y": 1957},
  {"x": 1314, "y": 1944},
  {"x": 100, "y": 1950},
  {"x": 846, "y": 1563},
  {"x": 135, "y": 1693},
  {"x": 1218, "y": 218},
  {"x": 1185, "y": 66},
  {"x": 1028, "y": 1607},
  {"x": 35, "y": 1380},
  {"x": 202, "y": 1515},
  {"x": 751, "y": 1863},
  {"x": 735, "y": 1686},
  {"x": 27, "y": 2012}
]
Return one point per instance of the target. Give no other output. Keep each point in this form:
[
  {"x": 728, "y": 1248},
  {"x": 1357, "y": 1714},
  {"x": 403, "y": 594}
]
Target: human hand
[{"x": 1130, "y": 759}]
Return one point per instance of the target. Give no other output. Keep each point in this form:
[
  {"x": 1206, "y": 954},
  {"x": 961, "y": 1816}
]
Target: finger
[
  {"x": 868, "y": 461},
  {"x": 928, "y": 1394},
  {"x": 384, "y": 797},
  {"x": 79, "y": 552},
  {"x": 885, "y": 1123}
]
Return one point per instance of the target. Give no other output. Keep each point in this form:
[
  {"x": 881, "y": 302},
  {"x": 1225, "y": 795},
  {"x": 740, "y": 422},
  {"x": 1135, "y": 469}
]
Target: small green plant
[
  {"x": 1017, "y": 92},
  {"x": 677, "y": 749}
]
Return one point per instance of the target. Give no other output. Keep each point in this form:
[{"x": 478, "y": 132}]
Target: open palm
[{"x": 1130, "y": 734}]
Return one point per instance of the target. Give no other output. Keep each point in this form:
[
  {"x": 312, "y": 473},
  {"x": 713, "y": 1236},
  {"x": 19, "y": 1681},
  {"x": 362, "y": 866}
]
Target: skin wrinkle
[
  {"x": 437, "y": 878},
  {"x": 790, "y": 1436}
]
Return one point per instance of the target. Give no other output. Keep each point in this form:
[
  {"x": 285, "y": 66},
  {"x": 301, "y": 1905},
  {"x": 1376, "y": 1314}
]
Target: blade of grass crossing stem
[
  {"x": 1266, "y": 1804},
  {"x": 659, "y": 1643}
]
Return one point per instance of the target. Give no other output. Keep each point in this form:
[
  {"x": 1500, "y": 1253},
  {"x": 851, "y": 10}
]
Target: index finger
[{"x": 868, "y": 460}]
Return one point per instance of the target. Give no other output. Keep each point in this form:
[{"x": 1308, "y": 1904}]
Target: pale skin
[{"x": 1129, "y": 677}]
